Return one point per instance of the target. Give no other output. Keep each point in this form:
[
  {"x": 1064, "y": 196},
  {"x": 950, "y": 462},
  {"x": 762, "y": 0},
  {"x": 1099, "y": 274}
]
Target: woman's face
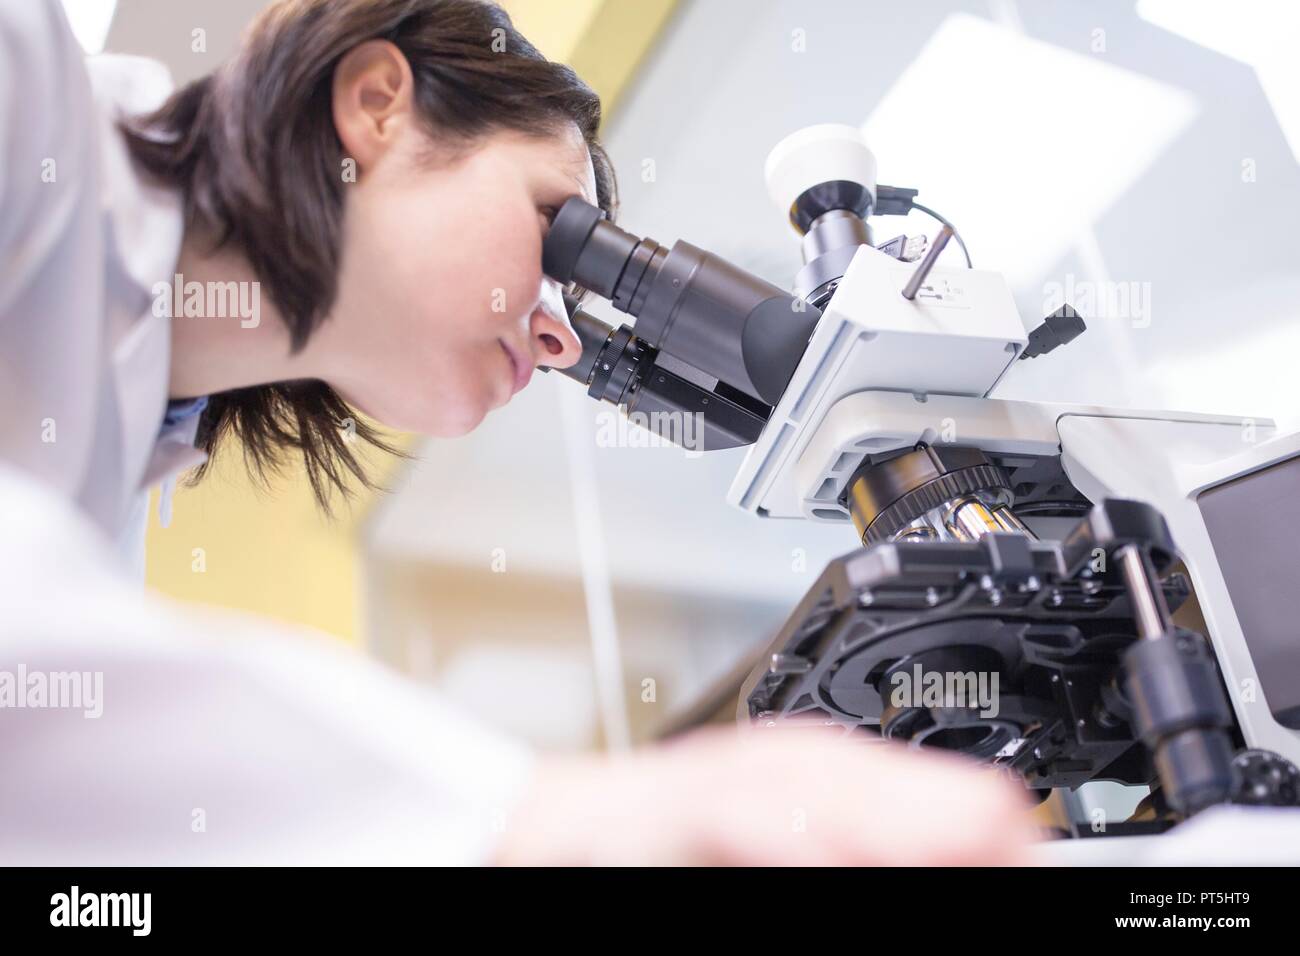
[{"x": 442, "y": 309}]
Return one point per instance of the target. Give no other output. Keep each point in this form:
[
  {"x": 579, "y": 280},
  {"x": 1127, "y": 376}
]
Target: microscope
[{"x": 1123, "y": 579}]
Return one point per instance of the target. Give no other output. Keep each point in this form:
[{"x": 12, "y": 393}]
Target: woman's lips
[{"x": 523, "y": 369}]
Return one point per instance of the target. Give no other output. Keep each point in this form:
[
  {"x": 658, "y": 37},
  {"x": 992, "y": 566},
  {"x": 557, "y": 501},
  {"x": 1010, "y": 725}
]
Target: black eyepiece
[
  {"x": 566, "y": 238},
  {"x": 689, "y": 304}
]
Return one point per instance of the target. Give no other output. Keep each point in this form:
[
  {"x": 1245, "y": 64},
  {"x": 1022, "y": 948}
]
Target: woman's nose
[{"x": 553, "y": 339}]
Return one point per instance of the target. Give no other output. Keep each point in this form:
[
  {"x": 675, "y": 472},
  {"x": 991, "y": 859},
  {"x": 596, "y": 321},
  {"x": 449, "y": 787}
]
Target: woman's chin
[
  {"x": 436, "y": 419},
  {"x": 444, "y": 423}
]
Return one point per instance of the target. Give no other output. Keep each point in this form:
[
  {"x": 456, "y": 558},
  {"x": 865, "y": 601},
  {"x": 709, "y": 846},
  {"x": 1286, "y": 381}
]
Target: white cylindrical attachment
[{"x": 828, "y": 152}]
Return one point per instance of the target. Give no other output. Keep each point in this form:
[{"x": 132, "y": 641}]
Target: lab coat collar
[{"x": 144, "y": 226}]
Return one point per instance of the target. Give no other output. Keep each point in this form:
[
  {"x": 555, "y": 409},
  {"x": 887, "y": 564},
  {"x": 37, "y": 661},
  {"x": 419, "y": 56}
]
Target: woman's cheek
[{"x": 520, "y": 259}]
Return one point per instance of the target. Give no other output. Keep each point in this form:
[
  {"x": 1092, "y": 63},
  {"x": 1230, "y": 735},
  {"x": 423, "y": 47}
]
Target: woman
[{"x": 349, "y": 214}]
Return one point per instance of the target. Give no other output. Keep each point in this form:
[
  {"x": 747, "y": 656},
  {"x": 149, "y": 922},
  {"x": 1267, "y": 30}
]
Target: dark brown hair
[{"x": 254, "y": 149}]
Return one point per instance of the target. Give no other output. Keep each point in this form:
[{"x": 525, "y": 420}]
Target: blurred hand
[{"x": 794, "y": 796}]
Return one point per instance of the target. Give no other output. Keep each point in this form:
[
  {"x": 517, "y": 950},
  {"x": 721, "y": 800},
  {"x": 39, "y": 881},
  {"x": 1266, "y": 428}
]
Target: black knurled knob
[{"x": 1266, "y": 779}]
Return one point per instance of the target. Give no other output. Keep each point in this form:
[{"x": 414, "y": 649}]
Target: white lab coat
[{"x": 221, "y": 738}]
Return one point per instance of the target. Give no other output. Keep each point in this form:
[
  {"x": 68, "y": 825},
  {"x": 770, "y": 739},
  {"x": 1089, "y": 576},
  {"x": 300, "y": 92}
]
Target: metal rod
[
  {"x": 1149, "y": 608},
  {"x": 918, "y": 277}
]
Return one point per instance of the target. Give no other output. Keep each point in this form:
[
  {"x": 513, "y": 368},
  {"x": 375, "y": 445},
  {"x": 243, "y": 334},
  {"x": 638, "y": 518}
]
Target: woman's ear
[{"x": 372, "y": 95}]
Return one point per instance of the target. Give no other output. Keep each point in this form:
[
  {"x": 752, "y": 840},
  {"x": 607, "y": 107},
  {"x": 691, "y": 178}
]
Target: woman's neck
[{"x": 226, "y": 333}]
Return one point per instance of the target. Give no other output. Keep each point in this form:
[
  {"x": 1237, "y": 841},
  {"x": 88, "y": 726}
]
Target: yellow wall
[{"x": 271, "y": 551}]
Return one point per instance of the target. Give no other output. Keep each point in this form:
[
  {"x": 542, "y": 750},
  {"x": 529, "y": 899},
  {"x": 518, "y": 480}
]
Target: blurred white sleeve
[{"x": 219, "y": 739}]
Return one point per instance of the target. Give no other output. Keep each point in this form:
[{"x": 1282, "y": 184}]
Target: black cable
[{"x": 955, "y": 234}]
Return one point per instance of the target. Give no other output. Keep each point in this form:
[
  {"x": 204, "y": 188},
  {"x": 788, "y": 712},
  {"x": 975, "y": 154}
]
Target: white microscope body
[{"x": 883, "y": 372}]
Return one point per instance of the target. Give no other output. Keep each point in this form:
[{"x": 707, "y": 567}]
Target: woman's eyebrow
[{"x": 580, "y": 180}]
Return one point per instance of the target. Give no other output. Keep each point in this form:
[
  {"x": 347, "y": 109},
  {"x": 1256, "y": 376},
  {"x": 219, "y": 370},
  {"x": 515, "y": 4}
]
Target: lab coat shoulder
[
  {"x": 51, "y": 290},
  {"x": 85, "y": 241}
]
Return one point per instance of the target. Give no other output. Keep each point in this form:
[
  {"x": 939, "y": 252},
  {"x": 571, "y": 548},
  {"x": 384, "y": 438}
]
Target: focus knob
[{"x": 1266, "y": 779}]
